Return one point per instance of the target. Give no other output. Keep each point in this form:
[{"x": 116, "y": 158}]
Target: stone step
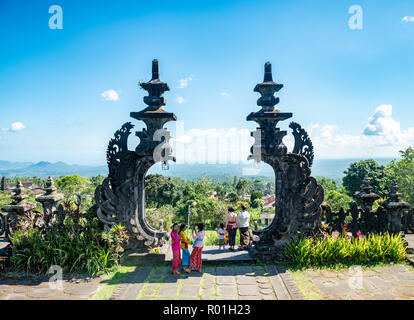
[{"x": 212, "y": 255}]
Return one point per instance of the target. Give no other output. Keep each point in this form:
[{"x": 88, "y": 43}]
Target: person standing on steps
[
  {"x": 195, "y": 258},
  {"x": 185, "y": 242},
  {"x": 231, "y": 226},
  {"x": 175, "y": 246},
  {"x": 243, "y": 221}
]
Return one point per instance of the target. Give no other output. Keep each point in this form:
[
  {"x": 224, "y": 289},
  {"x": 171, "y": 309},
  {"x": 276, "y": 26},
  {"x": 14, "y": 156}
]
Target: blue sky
[{"x": 351, "y": 89}]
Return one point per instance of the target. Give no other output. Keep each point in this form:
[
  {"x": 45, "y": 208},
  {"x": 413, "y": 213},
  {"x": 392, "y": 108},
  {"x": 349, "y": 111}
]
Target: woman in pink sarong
[
  {"x": 176, "y": 249},
  {"x": 195, "y": 259}
]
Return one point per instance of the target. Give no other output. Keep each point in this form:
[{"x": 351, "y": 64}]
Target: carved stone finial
[
  {"x": 156, "y": 89},
  {"x": 268, "y": 117},
  {"x": 155, "y": 70},
  {"x": 268, "y": 72},
  {"x": 50, "y": 198},
  {"x": 366, "y": 185},
  {"x": 19, "y": 206},
  {"x": 267, "y": 89},
  {"x": 366, "y": 196},
  {"x": 394, "y": 194}
]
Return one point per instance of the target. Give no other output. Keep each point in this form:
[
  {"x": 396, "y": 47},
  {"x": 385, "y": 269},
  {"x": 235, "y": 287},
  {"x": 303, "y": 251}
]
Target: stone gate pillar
[
  {"x": 121, "y": 197},
  {"x": 298, "y": 195}
]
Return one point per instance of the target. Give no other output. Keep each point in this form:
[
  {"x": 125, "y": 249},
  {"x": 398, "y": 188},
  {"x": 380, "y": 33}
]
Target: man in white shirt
[{"x": 243, "y": 222}]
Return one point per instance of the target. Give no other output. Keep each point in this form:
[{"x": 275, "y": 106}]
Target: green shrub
[
  {"x": 76, "y": 244},
  {"x": 330, "y": 251}
]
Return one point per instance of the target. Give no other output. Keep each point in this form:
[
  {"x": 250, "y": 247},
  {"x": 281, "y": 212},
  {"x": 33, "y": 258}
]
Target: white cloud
[
  {"x": 408, "y": 19},
  {"x": 182, "y": 83},
  {"x": 382, "y": 124},
  {"x": 17, "y": 126},
  {"x": 381, "y": 137},
  {"x": 225, "y": 94},
  {"x": 110, "y": 95},
  {"x": 213, "y": 146},
  {"x": 180, "y": 100}
]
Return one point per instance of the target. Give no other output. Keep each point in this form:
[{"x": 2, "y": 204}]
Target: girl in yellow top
[{"x": 185, "y": 242}]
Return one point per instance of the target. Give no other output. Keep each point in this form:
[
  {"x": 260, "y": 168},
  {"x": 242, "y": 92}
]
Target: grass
[
  {"x": 115, "y": 276},
  {"x": 308, "y": 289}
]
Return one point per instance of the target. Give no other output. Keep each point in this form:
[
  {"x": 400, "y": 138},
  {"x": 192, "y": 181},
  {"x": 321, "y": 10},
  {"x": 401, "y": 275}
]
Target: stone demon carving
[
  {"x": 121, "y": 197},
  {"x": 298, "y": 195}
]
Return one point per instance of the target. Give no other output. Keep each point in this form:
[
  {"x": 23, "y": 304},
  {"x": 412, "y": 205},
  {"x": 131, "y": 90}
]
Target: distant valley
[{"x": 331, "y": 168}]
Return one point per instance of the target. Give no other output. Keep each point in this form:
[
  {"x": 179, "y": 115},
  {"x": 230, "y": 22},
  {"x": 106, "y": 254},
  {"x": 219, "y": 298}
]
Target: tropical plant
[
  {"x": 329, "y": 251},
  {"x": 73, "y": 241}
]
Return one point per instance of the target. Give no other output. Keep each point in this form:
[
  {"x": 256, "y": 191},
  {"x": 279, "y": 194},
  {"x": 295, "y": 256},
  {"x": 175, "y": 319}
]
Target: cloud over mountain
[{"x": 381, "y": 136}]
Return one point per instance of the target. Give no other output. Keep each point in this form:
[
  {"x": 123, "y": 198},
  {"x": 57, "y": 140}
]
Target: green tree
[
  {"x": 96, "y": 181},
  {"x": 241, "y": 187},
  {"x": 233, "y": 197},
  {"x": 402, "y": 172},
  {"x": 259, "y": 185},
  {"x": 338, "y": 200},
  {"x": 72, "y": 185},
  {"x": 168, "y": 193},
  {"x": 256, "y": 199},
  {"x": 327, "y": 184},
  {"x": 370, "y": 168}
]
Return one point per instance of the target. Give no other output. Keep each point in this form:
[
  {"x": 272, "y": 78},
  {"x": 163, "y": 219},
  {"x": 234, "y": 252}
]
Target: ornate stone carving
[
  {"x": 121, "y": 197},
  {"x": 303, "y": 144},
  {"x": 366, "y": 196},
  {"x": 18, "y": 207},
  {"x": 3, "y": 184},
  {"x": 395, "y": 208},
  {"x": 298, "y": 195},
  {"x": 50, "y": 198}
]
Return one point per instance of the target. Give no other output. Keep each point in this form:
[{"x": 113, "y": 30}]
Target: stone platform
[
  {"x": 212, "y": 255},
  {"x": 410, "y": 251},
  {"x": 3, "y": 244}
]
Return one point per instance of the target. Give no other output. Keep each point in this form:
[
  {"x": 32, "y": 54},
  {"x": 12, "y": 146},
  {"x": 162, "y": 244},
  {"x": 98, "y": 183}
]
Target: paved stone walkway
[
  {"x": 379, "y": 283},
  {"x": 211, "y": 254},
  {"x": 148, "y": 283},
  {"x": 226, "y": 283},
  {"x": 38, "y": 288},
  {"x": 215, "y": 283}
]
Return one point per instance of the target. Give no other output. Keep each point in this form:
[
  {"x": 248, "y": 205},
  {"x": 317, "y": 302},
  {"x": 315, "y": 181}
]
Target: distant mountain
[
  {"x": 330, "y": 168},
  {"x": 7, "y": 165},
  {"x": 44, "y": 169}
]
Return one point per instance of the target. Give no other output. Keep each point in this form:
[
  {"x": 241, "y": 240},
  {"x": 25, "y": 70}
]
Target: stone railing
[
  {"x": 393, "y": 215},
  {"x": 20, "y": 207}
]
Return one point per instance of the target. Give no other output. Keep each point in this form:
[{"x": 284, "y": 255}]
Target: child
[
  {"x": 222, "y": 237},
  {"x": 196, "y": 259},
  {"x": 175, "y": 237},
  {"x": 185, "y": 263}
]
